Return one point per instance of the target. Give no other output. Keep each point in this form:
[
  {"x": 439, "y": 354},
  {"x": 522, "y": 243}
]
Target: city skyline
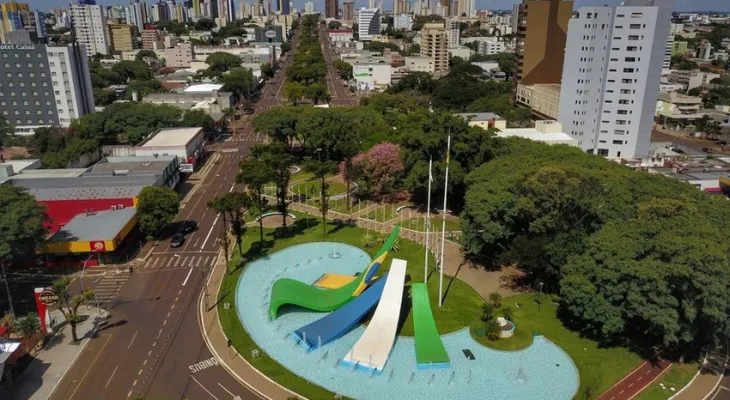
[{"x": 680, "y": 5}]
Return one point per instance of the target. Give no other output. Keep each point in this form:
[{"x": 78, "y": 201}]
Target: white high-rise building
[
  {"x": 454, "y": 33},
  {"x": 611, "y": 76},
  {"x": 368, "y": 23},
  {"x": 668, "y": 51},
  {"x": 308, "y": 8},
  {"x": 89, "y": 25}
]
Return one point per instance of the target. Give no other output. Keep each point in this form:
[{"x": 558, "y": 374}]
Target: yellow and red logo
[{"x": 97, "y": 247}]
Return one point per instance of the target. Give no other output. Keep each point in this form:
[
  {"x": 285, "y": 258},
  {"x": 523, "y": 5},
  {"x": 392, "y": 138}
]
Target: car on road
[
  {"x": 177, "y": 240},
  {"x": 188, "y": 226}
]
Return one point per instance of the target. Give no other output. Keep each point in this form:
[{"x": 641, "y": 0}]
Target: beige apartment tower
[
  {"x": 542, "y": 27},
  {"x": 435, "y": 45},
  {"x": 122, "y": 37}
]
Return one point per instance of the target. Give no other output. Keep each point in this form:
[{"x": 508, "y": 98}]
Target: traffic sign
[{"x": 270, "y": 34}]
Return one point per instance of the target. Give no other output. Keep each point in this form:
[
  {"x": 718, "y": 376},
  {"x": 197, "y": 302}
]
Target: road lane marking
[
  {"x": 188, "y": 277},
  {"x": 224, "y": 388},
  {"x": 164, "y": 322},
  {"x": 204, "y": 388},
  {"x": 110, "y": 377},
  {"x": 210, "y": 232},
  {"x": 205, "y": 364},
  {"x": 134, "y": 383},
  {"x": 90, "y": 365},
  {"x": 129, "y": 394},
  {"x": 144, "y": 363},
  {"x": 170, "y": 261},
  {"x": 132, "y": 341},
  {"x": 154, "y": 344},
  {"x": 139, "y": 372}
]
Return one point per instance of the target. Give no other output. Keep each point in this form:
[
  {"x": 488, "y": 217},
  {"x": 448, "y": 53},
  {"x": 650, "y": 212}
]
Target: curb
[{"x": 221, "y": 359}]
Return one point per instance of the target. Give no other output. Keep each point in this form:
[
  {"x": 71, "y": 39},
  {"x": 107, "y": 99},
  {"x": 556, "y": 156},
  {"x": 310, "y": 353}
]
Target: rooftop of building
[
  {"x": 203, "y": 87},
  {"x": 89, "y": 187},
  {"x": 676, "y": 97},
  {"x": 94, "y": 226},
  {"x": 170, "y": 137},
  {"x": 185, "y": 97},
  {"x": 484, "y": 116},
  {"x": 131, "y": 165},
  {"x": 532, "y": 134}
]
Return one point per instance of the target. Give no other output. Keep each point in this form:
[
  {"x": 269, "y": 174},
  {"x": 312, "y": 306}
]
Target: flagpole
[
  {"x": 443, "y": 223},
  {"x": 428, "y": 219}
]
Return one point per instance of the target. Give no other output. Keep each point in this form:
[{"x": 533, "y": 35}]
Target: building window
[
  {"x": 633, "y": 37},
  {"x": 623, "y": 102},
  {"x": 602, "y": 152},
  {"x": 637, "y": 15},
  {"x": 628, "y": 70},
  {"x": 52, "y": 64},
  {"x": 618, "y": 142},
  {"x": 619, "y": 132},
  {"x": 625, "y": 80},
  {"x": 53, "y": 74},
  {"x": 635, "y": 26},
  {"x": 622, "y": 112}
]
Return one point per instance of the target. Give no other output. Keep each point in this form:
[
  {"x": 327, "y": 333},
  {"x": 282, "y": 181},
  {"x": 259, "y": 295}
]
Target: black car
[
  {"x": 177, "y": 240},
  {"x": 188, "y": 226}
]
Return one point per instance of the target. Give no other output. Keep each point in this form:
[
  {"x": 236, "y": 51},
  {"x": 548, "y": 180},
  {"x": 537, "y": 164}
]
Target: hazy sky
[{"x": 681, "y": 5}]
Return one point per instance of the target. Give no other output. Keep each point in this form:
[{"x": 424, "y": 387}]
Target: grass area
[
  {"x": 252, "y": 214},
  {"x": 677, "y": 377},
  {"x": 599, "y": 367},
  {"x": 311, "y": 188},
  {"x": 417, "y": 224},
  {"x": 302, "y": 175},
  {"x": 460, "y": 308}
]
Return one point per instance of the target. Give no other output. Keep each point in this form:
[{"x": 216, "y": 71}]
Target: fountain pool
[{"x": 542, "y": 371}]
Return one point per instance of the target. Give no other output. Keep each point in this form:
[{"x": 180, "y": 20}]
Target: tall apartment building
[
  {"x": 331, "y": 9},
  {"x": 44, "y": 85},
  {"x": 401, "y": 7},
  {"x": 10, "y": 17},
  {"x": 89, "y": 25},
  {"x": 17, "y": 21},
  {"x": 609, "y": 88},
  {"x": 309, "y": 8},
  {"x": 668, "y": 49},
  {"x": 540, "y": 46},
  {"x": 121, "y": 37},
  {"x": 454, "y": 33},
  {"x": 179, "y": 56},
  {"x": 348, "y": 10},
  {"x": 151, "y": 39},
  {"x": 465, "y": 8},
  {"x": 434, "y": 44},
  {"x": 138, "y": 14},
  {"x": 368, "y": 23}
]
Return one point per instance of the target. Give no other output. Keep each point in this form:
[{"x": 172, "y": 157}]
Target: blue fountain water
[{"x": 542, "y": 371}]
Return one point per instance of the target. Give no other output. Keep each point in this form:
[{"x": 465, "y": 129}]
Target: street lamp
[
  {"x": 83, "y": 270},
  {"x": 539, "y": 304}
]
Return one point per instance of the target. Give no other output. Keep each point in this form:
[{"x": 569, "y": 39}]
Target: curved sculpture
[
  {"x": 430, "y": 350},
  {"x": 290, "y": 291}
]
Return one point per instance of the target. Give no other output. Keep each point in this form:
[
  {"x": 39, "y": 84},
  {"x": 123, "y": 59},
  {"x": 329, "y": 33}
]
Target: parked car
[
  {"x": 188, "y": 226},
  {"x": 177, "y": 240}
]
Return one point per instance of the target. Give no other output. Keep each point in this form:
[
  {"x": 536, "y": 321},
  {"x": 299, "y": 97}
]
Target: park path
[{"x": 639, "y": 379}]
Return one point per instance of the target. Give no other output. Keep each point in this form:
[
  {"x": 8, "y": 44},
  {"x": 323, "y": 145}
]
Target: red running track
[{"x": 633, "y": 383}]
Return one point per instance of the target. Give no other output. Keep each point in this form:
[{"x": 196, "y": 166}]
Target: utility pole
[{"x": 7, "y": 288}]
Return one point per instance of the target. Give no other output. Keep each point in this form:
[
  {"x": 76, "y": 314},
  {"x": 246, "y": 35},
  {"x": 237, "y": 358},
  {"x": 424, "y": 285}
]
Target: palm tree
[
  {"x": 507, "y": 312},
  {"x": 255, "y": 173},
  {"x": 496, "y": 299},
  {"x": 492, "y": 330},
  {"x": 233, "y": 207},
  {"x": 320, "y": 169},
  {"x": 488, "y": 311}
]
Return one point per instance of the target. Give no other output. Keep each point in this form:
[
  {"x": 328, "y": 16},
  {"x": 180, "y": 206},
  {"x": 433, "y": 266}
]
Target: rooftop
[
  {"x": 532, "y": 134},
  {"x": 170, "y": 137},
  {"x": 96, "y": 226},
  {"x": 203, "y": 87},
  {"x": 485, "y": 116},
  {"x": 85, "y": 187},
  {"x": 131, "y": 165}
]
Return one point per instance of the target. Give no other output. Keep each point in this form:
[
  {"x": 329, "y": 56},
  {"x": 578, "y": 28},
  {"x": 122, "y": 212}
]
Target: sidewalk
[
  {"x": 709, "y": 376},
  {"x": 218, "y": 344},
  {"x": 50, "y": 365}
]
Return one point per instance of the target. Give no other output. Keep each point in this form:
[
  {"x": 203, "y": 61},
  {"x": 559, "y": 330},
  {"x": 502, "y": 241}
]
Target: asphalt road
[
  {"x": 340, "y": 93},
  {"x": 152, "y": 346}
]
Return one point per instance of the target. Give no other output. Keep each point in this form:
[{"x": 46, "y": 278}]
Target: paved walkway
[
  {"x": 218, "y": 343},
  {"x": 708, "y": 378},
  {"x": 636, "y": 381},
  {"x": 49, "y": 366}
]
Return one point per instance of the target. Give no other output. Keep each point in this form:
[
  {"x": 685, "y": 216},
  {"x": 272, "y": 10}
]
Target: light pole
[
  {"x": 539, "y": 303},
  {"x": 96, "y": 296},
  {"x": 83, "y": 271}
]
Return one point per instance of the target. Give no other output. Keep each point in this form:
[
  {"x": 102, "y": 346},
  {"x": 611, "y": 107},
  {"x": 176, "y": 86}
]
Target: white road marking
[
  {"x": 132, "y": 341},
  {"x": 129, "y": 394},
  {"x": 139, "y": 372},
  {"x": 110, "y": 377},
  {"x": 170, "y": 261},
  {"x": 207, "y": 391},
  {"x": 164, "y": 322},
  {"x": 134, "y": 383},
  {"x": 187, "y": 277},
  {"x": 145, "y": 362},
  {"x": 199, "y": 366},
  {"x": 154, "y": 344},
  {"x": 224, "y": 388},
  {"x": 209, "y": 232}
]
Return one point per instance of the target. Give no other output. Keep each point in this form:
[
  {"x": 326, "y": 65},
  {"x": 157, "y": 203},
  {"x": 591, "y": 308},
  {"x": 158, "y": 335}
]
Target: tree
[
  {"x": 343, "y": 68},
  {"x": 28, "y": 325},
  {"x": 21, "y": 224},
  {"x": 256, "y": 173},
  {"x": 321, "y": 168},
  {"x": 334, "y": 25},
  {"x": 233, "y": 207},
  {"x": 317, "y": 92},
  {"x": 69, "y": 305},
  {"x": 496, "y": 299},
  {"x": 156, "y": 207},
  {"x": 223, "y": 62},
  {"x": 204, "y": 24},
  {"x": 285, "y": 47},
  {"x": 6, "y": 131},
  {"x": 103, "y": 97},
  {"x": 278, "y": 159},
  {"x": 293, "y": 92},
  {"x": 198, "y": 119},
  {"x": 380, "y": 169},
  {"x": 267, "y": 71},
  {"x": 239, "y": 81},
  {"x": 687, "y": 65},
  {"x": 492, "y": 330},
  {"x": 145, "y": 53},
  {"x": 48, "y": 140},
  {"x": 144, "y": 87},
  {"x": 129, "y": 70}
]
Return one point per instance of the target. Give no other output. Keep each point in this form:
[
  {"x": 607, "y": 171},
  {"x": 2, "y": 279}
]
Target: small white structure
[
  {"x": 550, "y": 132},
  {"x": 185, "y": 143},
  {"x": 371, "y": 76},
  {"x": 507, "y": 328}
]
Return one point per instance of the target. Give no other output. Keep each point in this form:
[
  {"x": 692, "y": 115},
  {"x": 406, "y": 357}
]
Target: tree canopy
[
  {"x": 222, "y": 62},
  {"x": 156, "y": 208},
  {"x": 22, "y": 223}
]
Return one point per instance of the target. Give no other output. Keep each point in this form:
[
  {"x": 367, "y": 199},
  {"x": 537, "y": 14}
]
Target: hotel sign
[{"x": 17, "y": 47}]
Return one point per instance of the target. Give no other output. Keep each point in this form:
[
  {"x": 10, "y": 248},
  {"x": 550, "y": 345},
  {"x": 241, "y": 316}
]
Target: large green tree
[
  {"x": 132, "y": 70},
  {"x": 223, "y": 62},
  {"x": 233, "y": 207},
  {"x": 21, "y": 224},
  {"x": 321, "y": 168},
  {"x": 256, "y": 173},
  {"x": 240, "y": 81},
  {"x": 279, "y": 160},
  {"x": 156, "y": 207}
]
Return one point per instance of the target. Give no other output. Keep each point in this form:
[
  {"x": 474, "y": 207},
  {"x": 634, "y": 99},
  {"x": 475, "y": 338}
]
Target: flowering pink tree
[{"x": 379, "y": 169}]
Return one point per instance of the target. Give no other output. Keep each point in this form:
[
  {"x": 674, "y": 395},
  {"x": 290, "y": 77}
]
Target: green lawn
[
  {"x": 302, "y": 175},
  {"x": 417, "y": 224},
  {"x": 599, "y": 367},
  {"x": 677, "y": 377},
  {"x": 460, "y": 308},
  {"x": 311, "y": 188}
]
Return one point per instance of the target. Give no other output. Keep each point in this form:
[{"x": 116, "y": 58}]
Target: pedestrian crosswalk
[
  {"x": 179, "y": 261},
  {"x": 249, "y": 138},
  {"x": 107, "y": 287}
]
